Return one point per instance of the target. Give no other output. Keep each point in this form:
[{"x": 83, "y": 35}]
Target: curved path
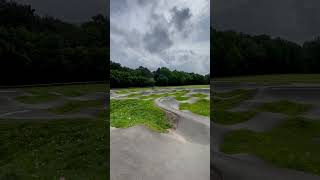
[
  {"x": 183, "y": 153},
  {"x": 248, "y": 167},
  {"x": 10, "y": 108}
]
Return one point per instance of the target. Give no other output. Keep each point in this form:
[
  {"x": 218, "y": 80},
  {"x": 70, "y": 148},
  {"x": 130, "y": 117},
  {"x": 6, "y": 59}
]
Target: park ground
[
  {"x": 53, "y": 132},
  {"x": 267, "y": 125},
  {"x": 160, "y": 128}
]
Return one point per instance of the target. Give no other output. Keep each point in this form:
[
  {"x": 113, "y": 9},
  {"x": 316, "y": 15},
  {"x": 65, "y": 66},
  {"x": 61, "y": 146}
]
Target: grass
[
  {"x": 132, "y": 112},
  {"x": 182, "y": 98},
  {"x": 68, "y": 90},
  {"x": 291, "y": 145},
  {"x": 199, "y": 95},
  {"x": 201, "y": 107},
  {"x": 51, "y": 93},
  {"x": 277, "y": 78},
  {"x": 128, "y": 90},
  {"x": 285, "y": 107},
  {"x": 225, "y": 104},
  {"x": 230, "y": 94},
  {"x": 36, "y": 99},
  {"x": 228, "y": 118},
  {"x": 45, "y": 150},
  {"x": 75, "y": 106},
  {"x": 178, "y": 94}
]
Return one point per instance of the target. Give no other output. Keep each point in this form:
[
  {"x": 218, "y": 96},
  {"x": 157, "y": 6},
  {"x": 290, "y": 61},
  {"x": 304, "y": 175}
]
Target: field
[
  {"x": 274, "y": 79},
  {"x": 160, "y": 125},
  {"x": 271, "y": 119},
  {"x": 135, "y": 106},
  {"x": 54, "y": 132}
]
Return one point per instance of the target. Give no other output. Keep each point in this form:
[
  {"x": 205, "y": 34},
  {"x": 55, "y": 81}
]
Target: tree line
[
  {"x": 235, "y": 53},
  {"x": 121, "y": 76},
  {"x": 36, "y": 49}
]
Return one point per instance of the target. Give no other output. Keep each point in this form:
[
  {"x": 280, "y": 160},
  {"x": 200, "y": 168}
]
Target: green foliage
[
  {"x": 235, "y": 54},
  {"x": 36, "y": 49},
  {"x": 142, "y": 77}
]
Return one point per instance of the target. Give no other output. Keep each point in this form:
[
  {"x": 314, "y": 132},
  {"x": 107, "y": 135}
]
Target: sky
[
  {"x": 161, "y": 33},
  {"x": 295, "y": 20}
]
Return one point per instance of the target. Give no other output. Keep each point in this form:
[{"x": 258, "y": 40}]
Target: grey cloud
[
  {"x": 158, "y": 40},
  {"x": 143, "y": 2},
  {"x": 179, "y": 17}
]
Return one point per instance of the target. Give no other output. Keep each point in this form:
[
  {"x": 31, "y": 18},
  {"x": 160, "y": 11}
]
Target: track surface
[
  {"x": 183, "y": 153},
  {"x": 246, "y": 166},
  {"x": 10, "y": 108}
]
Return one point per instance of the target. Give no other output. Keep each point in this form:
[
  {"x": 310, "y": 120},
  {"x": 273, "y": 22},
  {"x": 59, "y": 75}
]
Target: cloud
[
  {"x": 162, "y": 33},
  {"x": 180, "y": 17},
  {"x": 157, "y": 40}
]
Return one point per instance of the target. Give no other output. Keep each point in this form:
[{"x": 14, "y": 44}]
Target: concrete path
[
  {"x": 183, "y": 153},
  {"x": 10, "y": 108}
]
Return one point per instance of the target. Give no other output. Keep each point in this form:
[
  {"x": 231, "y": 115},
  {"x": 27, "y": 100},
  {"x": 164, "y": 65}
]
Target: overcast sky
[
  {"x": 161, "y": 33},
  {"x": 296, "y": 20}
]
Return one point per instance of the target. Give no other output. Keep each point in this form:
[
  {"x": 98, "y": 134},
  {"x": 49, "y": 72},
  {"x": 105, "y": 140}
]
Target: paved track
[
  {"x": 184, "y": 153},
  {"x": 248, "y": 167},
  {"x": 10, "y": 108}
]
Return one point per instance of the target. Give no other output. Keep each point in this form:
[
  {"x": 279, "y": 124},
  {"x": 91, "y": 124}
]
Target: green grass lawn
[
  {"x": 51, "y": 93},
  {"x": 199, "y": 95},
  {"x": 36, "y": 99},
  {"x": 182, "y": 98},
  {"x": 201, "y": 107},
  {"x": 131, "y": 112},
  {"x": 280, "y": 78},
  {"x": 50, "y": 149},
  {"x": 234, "y": 100},
  {"x": 285, "y": 107},
  {"x": 128, "y": 90},
  {"x": 295, "y": 144},
  {"x": 76, "y": 106},
  {"x": 228, "y": 118},
  {"x": 234, "y": 93},
  {"x": 68, "y": 90},
  {"x": 46, "y": 150},
  {"x": 178, "y": 94}
]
